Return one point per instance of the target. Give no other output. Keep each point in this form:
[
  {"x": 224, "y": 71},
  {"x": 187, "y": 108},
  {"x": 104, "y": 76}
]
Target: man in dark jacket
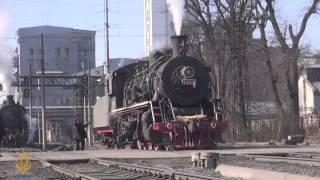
[
  {"x": 2, "y": 130},
  {"x": 2, "y": 133},
  {"x": 81, "y": 134}
]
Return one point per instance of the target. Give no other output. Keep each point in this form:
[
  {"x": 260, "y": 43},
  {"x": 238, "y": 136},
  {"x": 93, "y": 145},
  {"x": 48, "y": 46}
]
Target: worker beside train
[
  {"x": 81, "y": 134},
  {"x": 2, "y": 130},
  {"x": 2, "y": 133}
]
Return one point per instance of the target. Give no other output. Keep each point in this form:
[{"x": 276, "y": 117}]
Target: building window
[
  {"x": 58, "y": 51},
  {"x": 83, "y": 53},
  {"x": 41, "y": 51},
  {"x": 31, "y": 51},
  {"x": 67, "y": 51},
  {"x": 67, "y": 101}
]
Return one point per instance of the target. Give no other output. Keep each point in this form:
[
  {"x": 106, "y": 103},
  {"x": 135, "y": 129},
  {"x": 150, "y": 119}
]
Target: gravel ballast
[
  {"x": 185, "y": 164},
  {"x": 37, "y": 172}
]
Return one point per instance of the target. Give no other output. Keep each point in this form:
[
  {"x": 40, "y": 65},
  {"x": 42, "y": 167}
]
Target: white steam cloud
[
  {"x": 176, "y": 8},
  {"x": 6, "y": 77},
  {"x": 121, "y": 63}
]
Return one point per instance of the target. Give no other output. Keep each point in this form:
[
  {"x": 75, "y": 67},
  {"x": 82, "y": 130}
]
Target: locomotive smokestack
[
  {"x": 179, "y": 45},
  {"x": 10, "y": 100}
]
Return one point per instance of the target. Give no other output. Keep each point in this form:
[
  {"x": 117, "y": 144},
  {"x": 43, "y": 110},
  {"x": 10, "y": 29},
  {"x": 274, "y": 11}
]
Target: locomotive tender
[{"x": 164, "y": 102}]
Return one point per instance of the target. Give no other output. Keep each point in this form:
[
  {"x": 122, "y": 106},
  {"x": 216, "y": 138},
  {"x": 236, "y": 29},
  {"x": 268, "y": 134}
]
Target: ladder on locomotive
[{"x": 157, "y": 111}]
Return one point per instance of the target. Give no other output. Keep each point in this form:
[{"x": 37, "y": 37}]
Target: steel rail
[
  {"x": 310, "y": 155},
  {"x": 155, "y": 171},
  {"x": 65, "y": 172},
  {"x": 297, "y": 160}
]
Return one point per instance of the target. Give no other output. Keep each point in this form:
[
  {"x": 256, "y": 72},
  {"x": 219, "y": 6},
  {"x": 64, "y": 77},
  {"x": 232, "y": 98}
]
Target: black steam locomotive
[
  {"x": 164, "y": 101},
  {"x": 14, "y": 129}
]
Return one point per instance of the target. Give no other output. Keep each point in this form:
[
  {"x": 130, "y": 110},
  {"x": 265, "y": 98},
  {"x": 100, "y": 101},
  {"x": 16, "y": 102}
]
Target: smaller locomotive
[
  {"x": 164, "y": 101},
  {"x": 14, "y": 129}
]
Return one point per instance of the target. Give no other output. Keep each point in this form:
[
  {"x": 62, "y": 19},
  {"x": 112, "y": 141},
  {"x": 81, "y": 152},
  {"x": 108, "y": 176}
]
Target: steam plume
[
  {"x": 121, "y": 63},
  {"x": 176, "y": 8},
  {"x": 5, "y": 58}
]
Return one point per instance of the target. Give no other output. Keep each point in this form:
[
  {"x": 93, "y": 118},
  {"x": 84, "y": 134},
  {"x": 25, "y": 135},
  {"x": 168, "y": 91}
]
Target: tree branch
[
  {"x": 306, "y": 17},
  {"x": 275, "y": 25}
]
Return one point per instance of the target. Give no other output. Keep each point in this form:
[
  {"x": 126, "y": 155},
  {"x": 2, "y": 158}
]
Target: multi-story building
[{"x": 67, "y": 51}]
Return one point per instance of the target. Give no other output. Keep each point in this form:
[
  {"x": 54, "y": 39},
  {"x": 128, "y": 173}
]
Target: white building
[
  {"x": 309, "y": 88},
  {"x": 158, "y": 26},
  {"x": 309, "y": 97}
]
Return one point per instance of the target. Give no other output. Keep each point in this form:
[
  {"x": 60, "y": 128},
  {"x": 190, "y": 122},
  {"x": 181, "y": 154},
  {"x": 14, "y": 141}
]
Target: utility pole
[
  {"x": 30, "y": 98},
  {"x": 106, "y": 14},
  {"x": 44, "y": 133},
  {"x": 107, "y": 58},
  {"x": 84, "y": 97},
  {"x": 84, "y": 106},
  {"x": 38, "y": 120},
  {"x": 90, "y": 131}
]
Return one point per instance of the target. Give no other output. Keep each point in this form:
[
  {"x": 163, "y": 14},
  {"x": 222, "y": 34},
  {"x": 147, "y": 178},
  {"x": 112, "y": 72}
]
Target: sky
[{"x": 125, "y": 18}]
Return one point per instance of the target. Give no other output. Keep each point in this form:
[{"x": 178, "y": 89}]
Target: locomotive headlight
[
  {"x": 213, "y": 125},
  {"x": 169, "y": 126},
  {"x": 187, "y": 72}
]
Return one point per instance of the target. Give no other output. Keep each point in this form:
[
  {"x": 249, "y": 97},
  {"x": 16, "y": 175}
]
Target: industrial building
[
  {"x": 158, "y": 25},
  {"x": 67, "y": 51}
]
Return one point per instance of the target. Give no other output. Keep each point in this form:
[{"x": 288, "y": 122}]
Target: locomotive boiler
[
  {"x": 164, "y": 101},
  {"x": 14, "y": 124},
  {"x": 171, "y": 75}
]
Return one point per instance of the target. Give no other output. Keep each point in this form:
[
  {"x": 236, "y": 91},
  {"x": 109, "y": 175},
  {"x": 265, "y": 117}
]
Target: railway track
[
  {"x": 122, "y": 171},
  {"x": 309, "y": 155},
  {"x": 297, "y": 158}
]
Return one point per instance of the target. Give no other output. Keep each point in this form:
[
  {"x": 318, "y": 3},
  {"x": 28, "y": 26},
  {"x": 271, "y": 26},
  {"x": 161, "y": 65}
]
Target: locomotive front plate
[{"x": 188, "y": 82}]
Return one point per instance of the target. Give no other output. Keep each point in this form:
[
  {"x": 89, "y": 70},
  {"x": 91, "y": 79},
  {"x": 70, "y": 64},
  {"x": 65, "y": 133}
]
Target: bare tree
[
  {"x": 238, "y": 22},
  {"x": 262, "y": 22},
  {"x": 225, "y": 28},
  {"x": 205, "y": 26},
  {"x": 292, "y": 51}
]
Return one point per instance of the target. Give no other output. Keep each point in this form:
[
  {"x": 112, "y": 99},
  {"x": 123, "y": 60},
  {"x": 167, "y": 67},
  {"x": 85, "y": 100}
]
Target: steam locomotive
[
  {"x": 164, "y": 102},
  {"x": 14, "y": 129}
]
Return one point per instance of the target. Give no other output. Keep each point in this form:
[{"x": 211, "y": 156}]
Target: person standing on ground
[
  {"x": 2, "y": 133},
  {"x": 81, "y": 134}
]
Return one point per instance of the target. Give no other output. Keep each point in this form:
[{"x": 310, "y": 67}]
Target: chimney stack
[
  {"x": 179, "y": 45},
  {"x": 10, "y": 100}
]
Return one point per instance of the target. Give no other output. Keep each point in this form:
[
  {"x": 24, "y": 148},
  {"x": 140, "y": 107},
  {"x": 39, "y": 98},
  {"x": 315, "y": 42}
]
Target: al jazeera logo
[{"x": 23, "y": 166}]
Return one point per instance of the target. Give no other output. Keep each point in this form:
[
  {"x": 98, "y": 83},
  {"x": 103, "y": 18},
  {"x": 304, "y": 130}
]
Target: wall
[
  {"x": 100, "y": 113},
  {"x": 306, "y": 95}
]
